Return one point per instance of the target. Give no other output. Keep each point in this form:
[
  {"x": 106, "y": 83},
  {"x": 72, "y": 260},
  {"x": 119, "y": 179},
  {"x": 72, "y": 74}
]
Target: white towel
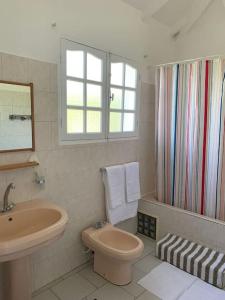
[
  {"x": 114, "y": 180},
  {"x": 121, "y": 212},
  {"x": 201, "y": 290},
  {"x": 167, "y": 282},
  {"x": 132, "y": 176}
]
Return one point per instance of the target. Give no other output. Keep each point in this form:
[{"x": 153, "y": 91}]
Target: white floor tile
[
  {"x": 147, "y": 263},
  {"x": 93, "y": 277},
  {"x": 110, "y": 292},
  {"x": 133, "y": 288},
  {"x": 137, "y": 274},
  {"x": 148, "y": 242},
  {"x": 76, "y": 270},
  {"x": 47, "y": 295},
  {"x": 81, "y": 284},
  {"x": 74, "y": 287},
  {"x": 147, "y": 296},
  {"x": 149, "y": 245}
]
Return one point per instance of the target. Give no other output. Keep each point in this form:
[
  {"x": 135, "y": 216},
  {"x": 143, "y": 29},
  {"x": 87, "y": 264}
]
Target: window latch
[{"x": 111, "y": 97}]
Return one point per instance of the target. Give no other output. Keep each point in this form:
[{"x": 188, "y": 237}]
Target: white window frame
[
  {"x": 107, "y": 58},
  {"x": 67, "y": 45},
  {"x": 115, "y": 135}
]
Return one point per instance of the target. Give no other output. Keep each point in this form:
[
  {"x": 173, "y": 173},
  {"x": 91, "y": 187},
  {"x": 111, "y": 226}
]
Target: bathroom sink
[{"x": 28, "y": 227}]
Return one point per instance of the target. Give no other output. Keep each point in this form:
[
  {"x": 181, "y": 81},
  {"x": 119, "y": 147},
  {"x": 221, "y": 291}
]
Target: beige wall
[
  {"x": 112, "y": 25},
  {"x": 72, "y": 172},
  {"x": 206, "y": 36}
]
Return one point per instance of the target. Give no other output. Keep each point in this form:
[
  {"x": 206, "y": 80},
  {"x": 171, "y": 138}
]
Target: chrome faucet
[
  {"x": 6, "y": 205},
  {"x": 100, "y": 224}
]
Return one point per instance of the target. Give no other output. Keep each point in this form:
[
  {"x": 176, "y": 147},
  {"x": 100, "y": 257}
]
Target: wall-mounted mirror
[{"x": 16, "y": 117}]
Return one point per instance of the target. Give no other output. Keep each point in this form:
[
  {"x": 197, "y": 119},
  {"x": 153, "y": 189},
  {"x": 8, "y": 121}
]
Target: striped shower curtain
[{"x": 190, "y": 139}]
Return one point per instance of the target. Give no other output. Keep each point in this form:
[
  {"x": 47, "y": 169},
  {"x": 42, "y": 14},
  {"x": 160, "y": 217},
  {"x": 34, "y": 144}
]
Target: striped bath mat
[{"x": 198, "y": 260}]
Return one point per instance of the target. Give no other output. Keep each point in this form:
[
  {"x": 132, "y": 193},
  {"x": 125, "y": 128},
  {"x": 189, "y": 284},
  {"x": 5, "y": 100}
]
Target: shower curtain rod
[{"x": 190, "y": 60}]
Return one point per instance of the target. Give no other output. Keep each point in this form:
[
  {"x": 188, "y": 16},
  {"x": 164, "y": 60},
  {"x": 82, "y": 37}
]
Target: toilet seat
[{"x": 113, "y": 247}]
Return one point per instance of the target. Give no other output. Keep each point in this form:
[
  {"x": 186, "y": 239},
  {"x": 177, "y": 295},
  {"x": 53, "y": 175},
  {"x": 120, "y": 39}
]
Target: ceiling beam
[
  {"x": 197, "y": 10},
  {"x": 153, "y": 8},
  {"x": 176, "y": 29}
]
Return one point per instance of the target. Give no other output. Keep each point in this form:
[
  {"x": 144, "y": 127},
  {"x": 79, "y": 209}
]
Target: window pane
[
  {"x": 94, "y": 121},
  {"x": 94, "y": 68},
  {"x": 115, "y": 122},
  {"x": 128, "y": 122},
  {"x": 130, "y": 77},
  {"x": 75, "y": 93},
  {"x": 116, "y": 98},
  {"x": 94, "y": 95},
  {"x": 75, "y": 63},
  {"x": 75, "y": 121},
  {"x": 117, "y": 73},
  {"x": 129, "y": 100}
]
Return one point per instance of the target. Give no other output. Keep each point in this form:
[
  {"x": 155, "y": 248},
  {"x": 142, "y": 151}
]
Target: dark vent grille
[{"x": 147, "y": 225}]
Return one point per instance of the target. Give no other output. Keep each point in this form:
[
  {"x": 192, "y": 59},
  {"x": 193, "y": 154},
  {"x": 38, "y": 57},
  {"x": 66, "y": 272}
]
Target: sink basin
[
  {"x": 28, "y": 227},
  {"x": 24, "y": 223}
]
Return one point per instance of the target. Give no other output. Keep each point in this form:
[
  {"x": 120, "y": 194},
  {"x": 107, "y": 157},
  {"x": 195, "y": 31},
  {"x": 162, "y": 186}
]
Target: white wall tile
[
  {"x": 43, "y": 139},
  {"x": 46, "y": 106},
  {"x": 14, "y": 68},
  {"x": 39, "y": 74},
  {"x": 73, "y": 179},
  {"x": 53, "y": 78},
  {"x": 1, "y": 74}
]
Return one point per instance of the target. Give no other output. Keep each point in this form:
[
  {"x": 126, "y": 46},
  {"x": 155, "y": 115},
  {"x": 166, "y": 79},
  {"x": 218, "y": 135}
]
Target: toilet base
[{"x": 116, "y": 271}]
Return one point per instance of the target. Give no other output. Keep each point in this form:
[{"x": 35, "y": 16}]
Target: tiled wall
[
  {"x": 72, "y": 172},
  {"x": 192, "y": 226}
]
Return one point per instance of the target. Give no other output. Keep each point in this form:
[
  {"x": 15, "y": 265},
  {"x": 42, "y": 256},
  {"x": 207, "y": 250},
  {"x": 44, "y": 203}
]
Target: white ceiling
[
  {"x": 178, "y": 15},
  {"x": 139, "y": 4}
]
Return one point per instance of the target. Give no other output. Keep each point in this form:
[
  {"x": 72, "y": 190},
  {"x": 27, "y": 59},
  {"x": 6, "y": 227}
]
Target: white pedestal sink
[{"x": 28, "y": 227}]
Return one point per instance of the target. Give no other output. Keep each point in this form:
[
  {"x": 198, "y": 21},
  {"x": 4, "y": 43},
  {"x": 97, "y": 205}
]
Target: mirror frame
[{"x": 32, "y": 115}]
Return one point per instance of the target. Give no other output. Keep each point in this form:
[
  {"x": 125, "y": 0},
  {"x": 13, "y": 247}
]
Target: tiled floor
[{"x": 84, "y": 284}]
